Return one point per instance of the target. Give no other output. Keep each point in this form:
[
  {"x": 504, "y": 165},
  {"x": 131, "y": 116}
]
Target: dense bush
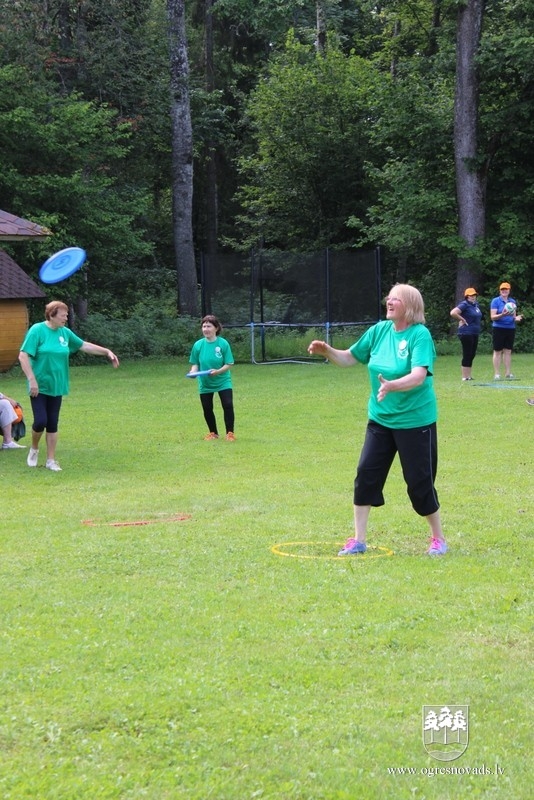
[
  {"x": 141, "y": 335},
  {"x": 152, "y": 333}
]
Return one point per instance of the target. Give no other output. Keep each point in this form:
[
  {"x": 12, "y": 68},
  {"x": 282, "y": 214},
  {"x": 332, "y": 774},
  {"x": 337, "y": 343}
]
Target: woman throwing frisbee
[
  {"x": 212, "y": 353},
  {"x": 402, "y": 412},
  {"x": 44, "y": 358}
]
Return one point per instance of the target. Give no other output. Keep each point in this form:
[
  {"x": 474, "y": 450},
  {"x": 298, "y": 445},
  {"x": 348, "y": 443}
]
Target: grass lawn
[{"x": 184, "y": 658}]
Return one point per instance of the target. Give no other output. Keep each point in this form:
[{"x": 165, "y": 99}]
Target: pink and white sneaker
[
  {"x": 352, "y": 547},
  {"x": 438, "y": 547}
]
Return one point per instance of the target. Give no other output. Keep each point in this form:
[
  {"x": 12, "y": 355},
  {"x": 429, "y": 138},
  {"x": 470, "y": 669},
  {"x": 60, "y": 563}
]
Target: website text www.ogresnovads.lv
[{"x": 431, "y": 772}]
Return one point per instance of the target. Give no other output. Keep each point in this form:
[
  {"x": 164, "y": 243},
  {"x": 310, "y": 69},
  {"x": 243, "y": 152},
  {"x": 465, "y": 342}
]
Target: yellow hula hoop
[{"x": 373, "y": 551}]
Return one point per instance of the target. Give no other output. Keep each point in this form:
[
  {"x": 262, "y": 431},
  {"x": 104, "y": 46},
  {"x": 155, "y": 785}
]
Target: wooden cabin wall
[{"x": 13, "y": 326}]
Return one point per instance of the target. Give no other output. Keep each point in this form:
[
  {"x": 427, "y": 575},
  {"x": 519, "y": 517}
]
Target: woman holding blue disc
[
  {"x": 212, "y": 356},
  {"x": 44, "y": 358}
]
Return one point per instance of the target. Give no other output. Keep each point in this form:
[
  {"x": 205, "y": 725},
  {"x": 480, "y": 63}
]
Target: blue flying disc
[
  {"x": 200, "y": 374},
  {"x": 62, "y": 265}
]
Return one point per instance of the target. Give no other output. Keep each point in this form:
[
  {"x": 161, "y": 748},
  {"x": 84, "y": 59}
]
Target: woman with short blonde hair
[{"x": 402, "y": 412}]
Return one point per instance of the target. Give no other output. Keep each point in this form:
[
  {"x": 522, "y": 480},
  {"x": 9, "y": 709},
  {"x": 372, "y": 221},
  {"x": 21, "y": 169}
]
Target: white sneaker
[
  {"x": 12, "y": 446},
  {"x": 497, "y": 378},
  {"x": 53, "y": 465},
  {"x": 33, "y": 455}
]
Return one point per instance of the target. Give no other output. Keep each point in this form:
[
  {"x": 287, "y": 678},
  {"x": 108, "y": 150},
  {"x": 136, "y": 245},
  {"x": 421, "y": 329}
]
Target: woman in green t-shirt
[
  {"x": 44, "y": 358},
  {"x": 212, "y": 354},
  {"x": 402, "y": 412}
]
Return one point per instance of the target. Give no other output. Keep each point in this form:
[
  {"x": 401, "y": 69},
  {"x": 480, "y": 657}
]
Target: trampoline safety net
[{"x": 273, "y": 291}]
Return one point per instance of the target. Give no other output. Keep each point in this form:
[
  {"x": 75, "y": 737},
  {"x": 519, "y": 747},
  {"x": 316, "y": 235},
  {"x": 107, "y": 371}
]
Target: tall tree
[
  {"x": 471, "y": 172},
  {"x": 320, "y": 14},
  {"x": 182, "y": 161},
  {"x": 212, "y": 203}
]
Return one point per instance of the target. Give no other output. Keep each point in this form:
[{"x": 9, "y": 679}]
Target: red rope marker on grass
[{"x": 173, "y": 518}]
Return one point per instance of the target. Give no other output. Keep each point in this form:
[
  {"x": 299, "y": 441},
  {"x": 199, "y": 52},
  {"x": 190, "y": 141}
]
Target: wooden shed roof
[
  {"x": 15, "y": 228},
  {"x": 14, "y": 283}
]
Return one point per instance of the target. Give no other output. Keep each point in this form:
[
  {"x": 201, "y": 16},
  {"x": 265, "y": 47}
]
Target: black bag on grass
[{"x": 18, "y": 428}]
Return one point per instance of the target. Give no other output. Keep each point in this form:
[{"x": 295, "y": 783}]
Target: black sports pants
[
  {"x": 227, "y": 403},
  {"x": 418, "y": 454}
]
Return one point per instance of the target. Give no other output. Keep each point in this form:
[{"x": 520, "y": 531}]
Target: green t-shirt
[
  {"x": 49, "y": 350},
  {"x": 394, "y": 354},
  {"x": 212, "y": 355}
]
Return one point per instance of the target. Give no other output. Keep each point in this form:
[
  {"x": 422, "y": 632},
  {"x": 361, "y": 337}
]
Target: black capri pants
[
  {"x": 418, "y": 454},
  {"x": 45, "y": 412},
  {"x": 469, "y": 343}
]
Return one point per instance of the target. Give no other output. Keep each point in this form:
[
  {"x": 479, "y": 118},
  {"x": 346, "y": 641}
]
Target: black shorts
[{"x": 503, "y": 339}]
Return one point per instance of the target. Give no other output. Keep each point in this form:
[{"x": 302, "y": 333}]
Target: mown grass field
[{"x": 186, "y": 659}]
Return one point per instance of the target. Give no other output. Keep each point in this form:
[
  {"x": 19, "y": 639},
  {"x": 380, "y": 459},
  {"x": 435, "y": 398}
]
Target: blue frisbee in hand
[
  {"x": 62, "y": 265},
  {"x": 200, "y": 374}
]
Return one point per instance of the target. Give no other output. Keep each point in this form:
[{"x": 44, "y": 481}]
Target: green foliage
[
  {"x": 353, "y": 146},
  {"x": 149, "y": 332},
  {"x": 310, "y": 120},
  {"x": 61, "y": 169},
  {"x": 152, "y": 331},
  {"x": 262, "y": 25},
  {"x": 524, "y": 341},
  {"x": 412, "y": 169},
  {"x": 185, "y": 660},
  {"x": 507, "y": 128}
]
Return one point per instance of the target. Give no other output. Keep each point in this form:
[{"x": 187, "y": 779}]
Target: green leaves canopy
[
  {"x": 311, "y": 121},
  {"x": 61, "y": 167}
]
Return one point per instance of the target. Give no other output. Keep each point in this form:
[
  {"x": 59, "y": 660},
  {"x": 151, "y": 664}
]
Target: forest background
[{"x": 407, "y": 124}]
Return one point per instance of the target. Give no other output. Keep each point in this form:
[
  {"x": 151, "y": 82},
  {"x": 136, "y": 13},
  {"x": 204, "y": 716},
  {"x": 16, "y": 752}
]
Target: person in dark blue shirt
[{"x": 469, "y": 318}]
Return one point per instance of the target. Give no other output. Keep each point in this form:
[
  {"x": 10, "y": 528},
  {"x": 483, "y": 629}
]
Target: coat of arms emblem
[{"x": 445, "y": 731}]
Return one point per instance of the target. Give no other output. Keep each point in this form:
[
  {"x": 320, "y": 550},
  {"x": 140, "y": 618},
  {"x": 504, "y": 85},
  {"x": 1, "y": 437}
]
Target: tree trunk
[
  {"x": 182, "y": 161},
  {"x": 393, "y": 63},
  {"x": 212, "y": 196},
  {"x": 320, "y": 44},
  {"x": 470, "y": 175}
]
